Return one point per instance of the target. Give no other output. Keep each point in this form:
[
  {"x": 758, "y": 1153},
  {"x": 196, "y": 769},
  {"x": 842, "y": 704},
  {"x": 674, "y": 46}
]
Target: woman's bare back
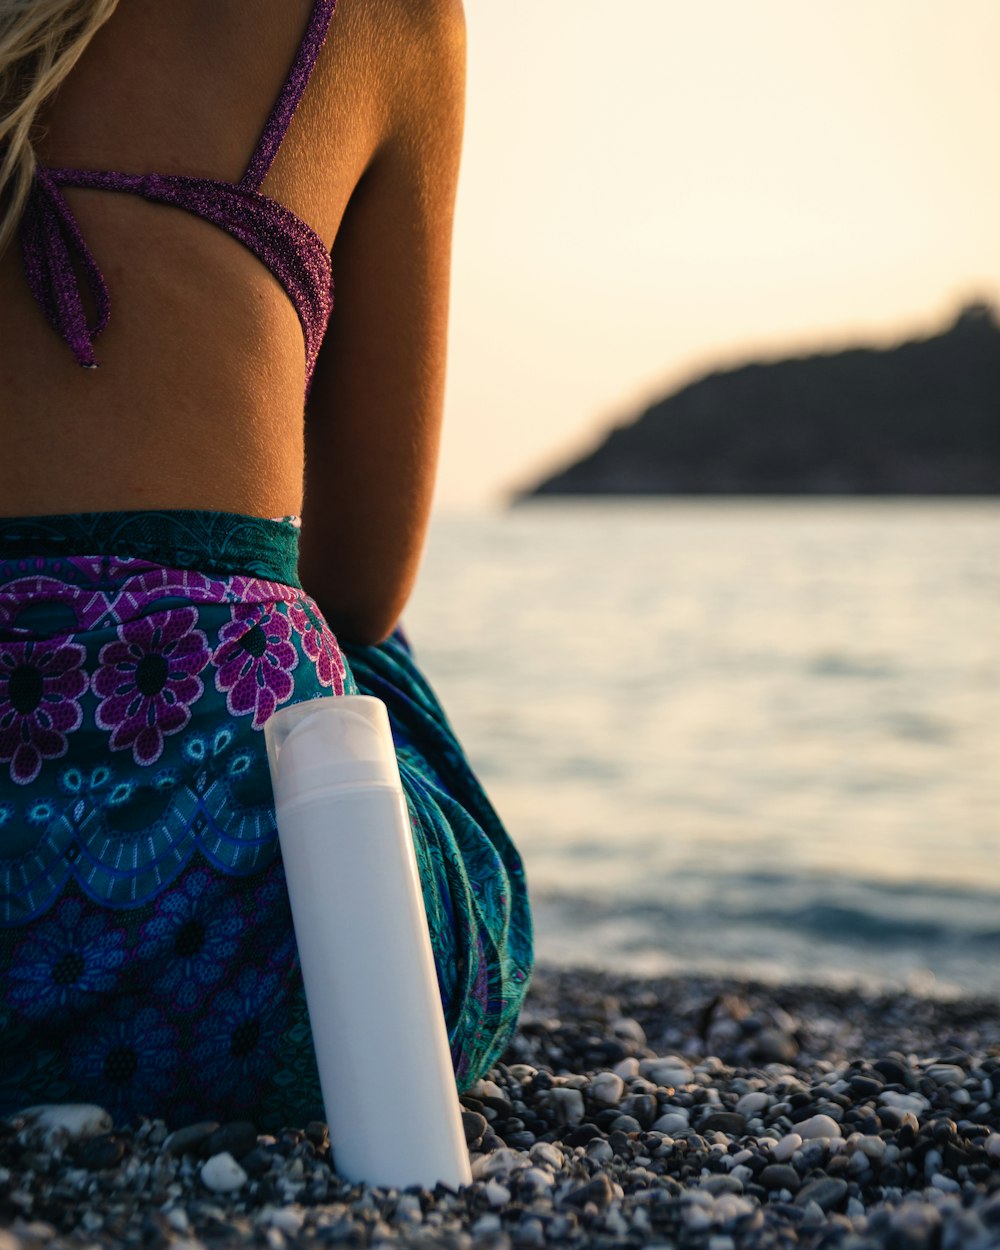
[{"x": 198, "y": 399}]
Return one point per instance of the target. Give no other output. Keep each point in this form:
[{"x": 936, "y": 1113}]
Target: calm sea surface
[{"x": 760, "y": 737}]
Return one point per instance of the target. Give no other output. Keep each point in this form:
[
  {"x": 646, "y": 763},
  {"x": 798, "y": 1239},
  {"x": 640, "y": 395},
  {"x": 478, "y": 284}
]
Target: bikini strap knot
[{"x": 54, "y": 252}]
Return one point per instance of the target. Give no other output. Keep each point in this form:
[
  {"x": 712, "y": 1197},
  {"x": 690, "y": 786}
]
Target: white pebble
[
  {"x": 946, "y": 1073},
  {"x": 488, "y": 1223},
  {"x": 607, "y": 1088},
  {"x": 64, "y": 1122},
  {"x": 178, "y": 1220},
  {"x": 628, "y": 1028},
  {"x": 818, "y": 1126},
  {"x": 784, "y": 1149},
  {"x": 874, "y": 1147},
  {"x": 946, "y": 1184},
  {"x": 222, "y": 1173},
  {"x": 289, "y": 1220},
  {"x": 903, "y": 1102},
  {"x": 547, "y": 1155},
  {"x": 993, "y": 1145},
  {"x": 672, "y": 1122},
  {"x": 627, "y": 1069},
  {"x": 567, "y": 1104},
  {"x": 497, "y": 1195},
  {"x": 499, "y": 1163},
  {"x": 537, "y": 1177},
  {"x": 753, "y": 1102},
  {"x": 668, "y": 1070},
  {"x": 486, "y": 1089}
]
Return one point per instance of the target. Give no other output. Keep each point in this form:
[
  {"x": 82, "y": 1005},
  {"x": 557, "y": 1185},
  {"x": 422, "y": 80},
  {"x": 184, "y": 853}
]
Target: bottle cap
[{"x": 325, "y": 744}]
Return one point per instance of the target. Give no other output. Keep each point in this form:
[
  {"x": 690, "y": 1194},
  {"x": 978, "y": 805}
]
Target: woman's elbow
[{"x": 363, "y": 624}]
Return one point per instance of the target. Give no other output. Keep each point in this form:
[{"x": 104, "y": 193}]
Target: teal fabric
[{"x": 147, "y": 959}]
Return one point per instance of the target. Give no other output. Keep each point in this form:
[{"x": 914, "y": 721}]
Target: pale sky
[{"x": 653, "y": 187}]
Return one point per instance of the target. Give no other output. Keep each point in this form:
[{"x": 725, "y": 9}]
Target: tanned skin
[{"x": 198, "y": 401}]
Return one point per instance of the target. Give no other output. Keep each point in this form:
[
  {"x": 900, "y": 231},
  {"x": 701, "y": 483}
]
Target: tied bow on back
[{"x": 55, "y": 252}]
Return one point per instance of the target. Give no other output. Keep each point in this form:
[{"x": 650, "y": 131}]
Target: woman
[{"x": 174, "y": 178}]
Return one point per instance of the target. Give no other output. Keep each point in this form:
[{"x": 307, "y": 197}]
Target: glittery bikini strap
[
  {"x": 56, "y": 256},
  {"x": 291, "y": 93}
]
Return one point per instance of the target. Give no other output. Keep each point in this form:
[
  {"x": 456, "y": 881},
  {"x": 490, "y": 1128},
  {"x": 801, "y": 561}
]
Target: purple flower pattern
[
  {"x": 40, "y": 685},
  {"x": 148, "y": 680},
  {"x": 254, "y": 661},
  {"x": 85, "y": 606},
  {"x": 318, "y": 643}
]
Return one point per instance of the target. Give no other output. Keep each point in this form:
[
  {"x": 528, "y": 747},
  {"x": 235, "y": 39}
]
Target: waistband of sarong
[{"x": 211, "y": 542}]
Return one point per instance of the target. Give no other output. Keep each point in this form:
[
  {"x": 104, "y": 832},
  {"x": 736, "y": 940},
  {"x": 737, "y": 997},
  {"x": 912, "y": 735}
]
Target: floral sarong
[{"x": 147, "y": 959}]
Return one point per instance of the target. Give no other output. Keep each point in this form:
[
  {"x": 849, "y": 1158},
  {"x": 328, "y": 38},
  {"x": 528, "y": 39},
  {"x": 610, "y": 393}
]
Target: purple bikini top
[{"x": 51, "y": 240}]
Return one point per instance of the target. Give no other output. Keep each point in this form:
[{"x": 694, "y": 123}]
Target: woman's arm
[{"x": 374, "y": 415}]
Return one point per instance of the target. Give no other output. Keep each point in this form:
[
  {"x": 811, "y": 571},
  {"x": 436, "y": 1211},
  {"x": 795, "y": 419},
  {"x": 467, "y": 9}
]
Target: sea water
[{"x": 753, "y": 737}]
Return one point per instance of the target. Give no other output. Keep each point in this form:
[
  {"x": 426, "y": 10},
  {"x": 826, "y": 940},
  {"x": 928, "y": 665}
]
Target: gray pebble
[
  {"x": 781, "y": 1176},
  {"x": 237, "y": 1138},
  {"x": 826, "y": 1191},
  {"x": 191, "y": 1138}
]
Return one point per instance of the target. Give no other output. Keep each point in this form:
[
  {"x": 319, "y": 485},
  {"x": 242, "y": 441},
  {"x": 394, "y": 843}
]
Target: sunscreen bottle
[{"x": 371, "y": 988}]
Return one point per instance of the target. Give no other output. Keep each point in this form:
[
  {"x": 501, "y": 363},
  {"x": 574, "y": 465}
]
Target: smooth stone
[
  {"x": 753, "y": 1102},
  {"x": 629, "y": 1029},
  {"x": 729, "y": 1122},
  {"x": 97, "y": 1154},
  {"x": 723, "y": 1183},
  {"x": 780, "y": 1176},
  {"x": 536, "y": 1178},
  {"x": 946, "y": 1073},
  {"x": 236, "y": 1138},
  {"x": 641, "y": 1107},
  {"x": 628, "y": 1069},
  {"x": 668, "y": 1070},
  {"x": 288, "y": 1220},
  {"x": 607, "y": 1088},
  {"x": 865, "y": 1086},
  {"x": 497, "y": 1195},
  {"x": 581, "y": 1135},
  {"x": 257, "y": 1162},
  {"x": 671, "y": 1123},
  {"x": 188, "y": 1140},
  {"x": 784, "y": 1149},
  {"x": 500, "y": 1163},
  {"x": 67, "y": 1122},
  {"x": 818, "y": 1126},
  {"x": 547, "y": 1155},
  {"x": 475, "y": 1125},
  {"x": 625, "y": 1124},
  {"x": 873, "y": 1147},
  {"x": 773, "y": 1046},
  {"x": 904, "y": 1102},
  {"x": 222, "y": 1174},
  {"x": 993, "y": 1145},
  {"x": 486, "y": 1089},
  {"x": 600, "y": 1151},
  {"x": 826, "y": 1191},
  {"x": 895, "y": 1073},
  {"x": 566, "y": 1105},
  {"x": 598, "y": 1191}
]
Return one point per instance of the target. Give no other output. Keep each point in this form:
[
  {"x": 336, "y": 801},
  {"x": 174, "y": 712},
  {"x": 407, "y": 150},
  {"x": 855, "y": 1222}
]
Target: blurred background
[{"x": 727, "y": 730}]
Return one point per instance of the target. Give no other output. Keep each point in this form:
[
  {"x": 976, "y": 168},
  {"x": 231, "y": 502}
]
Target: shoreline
[{"x": 686, "y": 1111}]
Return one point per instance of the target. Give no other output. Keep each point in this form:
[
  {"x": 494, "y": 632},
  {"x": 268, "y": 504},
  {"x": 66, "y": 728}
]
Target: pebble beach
[{"x": 689, "y": 1112}]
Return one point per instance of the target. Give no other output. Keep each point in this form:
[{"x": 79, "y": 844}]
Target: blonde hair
[{"x": 40, "y": 42}]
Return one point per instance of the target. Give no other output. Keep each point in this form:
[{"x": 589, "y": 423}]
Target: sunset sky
[{"x": 655, "y": 187}]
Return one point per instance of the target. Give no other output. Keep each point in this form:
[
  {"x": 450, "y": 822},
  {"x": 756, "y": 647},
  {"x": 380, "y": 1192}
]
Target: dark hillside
[{"x": 920, "y": 418}]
